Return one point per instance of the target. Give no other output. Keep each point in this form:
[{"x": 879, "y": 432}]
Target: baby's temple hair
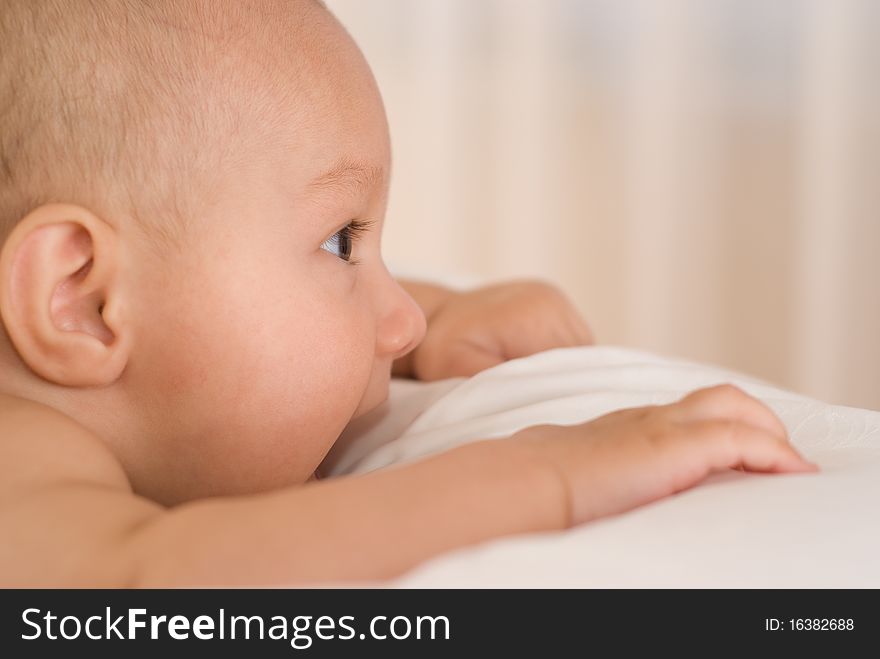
[{"x": 109, "y": 103}]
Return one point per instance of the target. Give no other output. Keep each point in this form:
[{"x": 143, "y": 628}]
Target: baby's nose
[{"x": 403, "y": 328}]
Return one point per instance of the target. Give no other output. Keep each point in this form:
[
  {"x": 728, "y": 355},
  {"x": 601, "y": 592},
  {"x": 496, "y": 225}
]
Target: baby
[{"x": 194, "y": 307}]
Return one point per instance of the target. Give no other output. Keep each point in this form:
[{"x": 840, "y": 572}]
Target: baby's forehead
[
  {"x": 293, "y": 53},
  {"x": 122, "y": 87}
]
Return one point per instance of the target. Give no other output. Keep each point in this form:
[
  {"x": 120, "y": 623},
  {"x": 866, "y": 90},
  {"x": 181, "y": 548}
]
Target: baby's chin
[{"x": 375, "y": 394}]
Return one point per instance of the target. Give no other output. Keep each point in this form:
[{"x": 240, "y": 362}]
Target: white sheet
[{"x": 734, "y": 530}]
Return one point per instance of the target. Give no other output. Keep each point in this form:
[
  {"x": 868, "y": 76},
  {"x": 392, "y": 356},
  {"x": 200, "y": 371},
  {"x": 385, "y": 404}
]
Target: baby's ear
[{"x": 61, "y": 298}]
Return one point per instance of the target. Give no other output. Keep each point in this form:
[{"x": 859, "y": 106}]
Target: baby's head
[{"x": 175, "y": 182}]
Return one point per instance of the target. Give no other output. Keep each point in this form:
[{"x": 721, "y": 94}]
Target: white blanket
[{"x": 734, "y": 530}]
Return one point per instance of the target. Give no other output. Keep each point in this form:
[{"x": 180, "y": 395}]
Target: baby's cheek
[
  {"x": 252, "y": 403},
  {"x": 276, "y": 419}
]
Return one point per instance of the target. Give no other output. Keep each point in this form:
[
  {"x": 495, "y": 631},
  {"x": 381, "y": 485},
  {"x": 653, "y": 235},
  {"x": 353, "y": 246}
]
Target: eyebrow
[{"x": 349, "y": 176}]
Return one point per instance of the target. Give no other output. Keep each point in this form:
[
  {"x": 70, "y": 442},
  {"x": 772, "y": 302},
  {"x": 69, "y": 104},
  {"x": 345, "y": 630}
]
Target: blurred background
[{"x": 702, "y": 177}]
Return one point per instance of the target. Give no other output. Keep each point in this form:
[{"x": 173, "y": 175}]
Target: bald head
[{"x": 130, "y": 107}]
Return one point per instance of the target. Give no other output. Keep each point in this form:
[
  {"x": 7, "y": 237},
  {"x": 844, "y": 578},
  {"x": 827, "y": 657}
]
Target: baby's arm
[
  {"x": 69, "y": 517},
  {"x": 469, "y": 331},
  {"x": 73, "y": 520}
]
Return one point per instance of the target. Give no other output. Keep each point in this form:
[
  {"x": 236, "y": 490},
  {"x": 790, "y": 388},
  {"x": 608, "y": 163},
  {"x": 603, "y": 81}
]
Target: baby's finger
[
  {"x": 726, "y": 400},
  {"x": 730, "y": 445}
]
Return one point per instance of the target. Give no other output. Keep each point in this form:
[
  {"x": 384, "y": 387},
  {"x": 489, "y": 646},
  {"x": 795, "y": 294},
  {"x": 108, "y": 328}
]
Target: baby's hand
[
  {"x": 634, "y": 456},
  {"x": 473, "y": 330}
]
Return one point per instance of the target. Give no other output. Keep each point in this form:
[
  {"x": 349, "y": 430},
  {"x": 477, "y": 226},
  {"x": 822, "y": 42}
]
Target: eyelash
[{"x": 354, "y": 231}]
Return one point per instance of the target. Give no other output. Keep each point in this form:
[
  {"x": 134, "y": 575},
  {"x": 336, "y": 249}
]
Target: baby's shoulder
[
  {"x": 64, "y": 500},
  {"x": 39, "y": 446}
]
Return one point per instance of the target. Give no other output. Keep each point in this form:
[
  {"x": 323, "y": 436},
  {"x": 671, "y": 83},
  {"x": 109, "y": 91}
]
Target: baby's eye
[
  {"x": 342, "y": 242},
  {"x": 339, "y": 243}
]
